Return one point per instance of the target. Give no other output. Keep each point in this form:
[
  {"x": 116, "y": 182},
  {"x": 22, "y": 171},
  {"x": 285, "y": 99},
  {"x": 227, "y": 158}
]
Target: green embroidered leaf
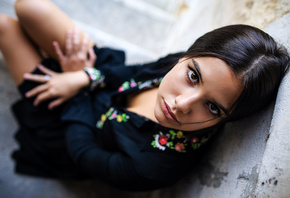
[
  {"x": 196, "y": 145},
  {"x": 173, "y": 134},
  {"x": 153, "y": 143}
]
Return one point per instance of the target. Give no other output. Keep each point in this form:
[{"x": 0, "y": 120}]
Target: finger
[
  {"x": 46, "y": 70},
  {"x": 35, "y": 91},
  {"x": 92, "y": 56},
  {"x": 35, "y": 77},
  {"x": 55, "y": 103},
  {"x": 84, "y": 44},
  {"x": 58, "y": 51},
  {"x": 42, "y": 97},
  {"x": 76, "y": 40},
  {"x": 68, "y": 43},
  {"x": 82, "y": 53}
]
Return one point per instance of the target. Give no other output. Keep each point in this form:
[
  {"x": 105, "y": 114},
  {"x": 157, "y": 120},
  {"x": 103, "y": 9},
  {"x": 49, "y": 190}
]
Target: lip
[{"x": 168, "y": 113}]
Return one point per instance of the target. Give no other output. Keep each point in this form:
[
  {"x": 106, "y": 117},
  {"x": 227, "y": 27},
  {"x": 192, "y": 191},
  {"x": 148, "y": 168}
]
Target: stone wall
[
  {"x": 198, "y": 17},
  {"x": 258, "y": 13}
]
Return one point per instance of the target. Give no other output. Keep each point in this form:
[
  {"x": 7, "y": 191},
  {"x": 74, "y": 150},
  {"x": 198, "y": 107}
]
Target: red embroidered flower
[
  {"x": 121, "y": 89},
  {"x": 179, "y": 147},
  {"x": 194, "y": 140},
  {"x": 163, "y": 139}
]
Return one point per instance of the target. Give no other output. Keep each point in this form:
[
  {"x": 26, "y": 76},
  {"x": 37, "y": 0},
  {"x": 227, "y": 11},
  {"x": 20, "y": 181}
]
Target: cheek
[
  {"x": 165, "y": 84},
  {"x": 199, "y": 126},
  {"x": 200, "y": 115},
  {"x": 173, "y": 80}
]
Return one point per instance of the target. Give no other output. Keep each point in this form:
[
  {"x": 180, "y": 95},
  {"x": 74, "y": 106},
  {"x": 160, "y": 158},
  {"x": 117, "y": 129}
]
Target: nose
[{"x": 187, "y": 101}]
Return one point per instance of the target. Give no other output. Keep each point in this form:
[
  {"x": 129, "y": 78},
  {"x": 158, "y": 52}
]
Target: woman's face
[{"x": 195, "y": 93}]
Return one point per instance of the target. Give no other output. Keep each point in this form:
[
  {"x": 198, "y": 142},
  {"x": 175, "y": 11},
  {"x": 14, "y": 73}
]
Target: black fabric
[{"x": 68, "y": 142}]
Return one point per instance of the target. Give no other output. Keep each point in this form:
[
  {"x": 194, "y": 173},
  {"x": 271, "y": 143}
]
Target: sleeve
[
  {"x": 111, "y": 65},
  {"x": 115, "y": 168}
]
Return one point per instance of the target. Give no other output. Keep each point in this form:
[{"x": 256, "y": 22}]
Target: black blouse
[
  {"x": 121, "y": 147},
  {"x": 94, "y": 135}
]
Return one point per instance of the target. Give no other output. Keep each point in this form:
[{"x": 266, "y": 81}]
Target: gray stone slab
[{"x": 274, "y": 174}]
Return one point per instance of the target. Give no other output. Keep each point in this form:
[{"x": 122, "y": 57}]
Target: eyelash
[
  {"x": 189, "y": 73},
  {"x": 218, "y": 114}
]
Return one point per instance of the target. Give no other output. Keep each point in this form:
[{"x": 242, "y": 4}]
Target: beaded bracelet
[{"x": 95, "y": 77}]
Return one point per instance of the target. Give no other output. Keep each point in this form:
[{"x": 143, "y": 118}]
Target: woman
[{"x": 138, "y": 127}]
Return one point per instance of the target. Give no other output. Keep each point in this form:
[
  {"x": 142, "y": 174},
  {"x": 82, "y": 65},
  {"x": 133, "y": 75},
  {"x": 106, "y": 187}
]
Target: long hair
[{"x": 253, "y": 56}]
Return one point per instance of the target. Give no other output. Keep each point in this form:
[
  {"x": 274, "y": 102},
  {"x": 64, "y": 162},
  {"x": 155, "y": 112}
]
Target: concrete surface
[
  {"x": 274, "y": 173},
  {"x": 249, "y": 159}
]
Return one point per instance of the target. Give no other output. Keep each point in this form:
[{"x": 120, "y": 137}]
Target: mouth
[{"x": 168, "y": 113}]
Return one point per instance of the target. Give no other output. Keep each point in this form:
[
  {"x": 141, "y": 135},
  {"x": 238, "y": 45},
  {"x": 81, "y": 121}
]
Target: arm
[
  {"x": 114, "y": 168},
  {"x": 63, "y": 86}
]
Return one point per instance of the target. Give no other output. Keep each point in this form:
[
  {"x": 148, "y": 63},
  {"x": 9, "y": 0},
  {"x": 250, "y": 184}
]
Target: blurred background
[
  {"x": 146, "y": 30},
  {"x": 155, "y": 27}
]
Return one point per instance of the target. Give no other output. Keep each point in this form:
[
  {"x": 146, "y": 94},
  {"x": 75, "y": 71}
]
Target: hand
[
  {"x": 59, "y": 86},
  {"x": 76, "y": 56}
]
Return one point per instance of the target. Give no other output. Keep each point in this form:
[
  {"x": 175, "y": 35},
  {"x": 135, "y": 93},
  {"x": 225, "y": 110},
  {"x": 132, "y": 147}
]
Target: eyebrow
[{"x": 196, "y": 65}]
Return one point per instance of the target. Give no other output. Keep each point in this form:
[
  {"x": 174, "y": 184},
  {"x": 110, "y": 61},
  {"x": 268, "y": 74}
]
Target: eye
[
  {"x": 213, "y": 108},
  {"x": 192, "y": 75}
]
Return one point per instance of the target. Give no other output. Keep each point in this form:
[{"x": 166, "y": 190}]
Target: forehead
[{"x": 219, "y": 81}]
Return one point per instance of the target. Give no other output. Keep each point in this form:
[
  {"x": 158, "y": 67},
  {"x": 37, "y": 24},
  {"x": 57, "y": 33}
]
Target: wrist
[
  {"x": 95, "y": 77},
  {"x": 82, "y": 78}
]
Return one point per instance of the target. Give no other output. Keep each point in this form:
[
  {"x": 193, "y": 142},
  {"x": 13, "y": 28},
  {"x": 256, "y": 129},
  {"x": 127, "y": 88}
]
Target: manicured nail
[{"x": 26, "y": 75}]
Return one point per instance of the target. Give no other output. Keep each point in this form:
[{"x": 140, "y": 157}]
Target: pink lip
[{"x": 168, "y": 113}]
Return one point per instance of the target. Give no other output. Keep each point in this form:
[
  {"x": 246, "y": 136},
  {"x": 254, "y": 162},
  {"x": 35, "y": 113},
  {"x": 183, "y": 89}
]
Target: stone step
[
  {"x": 134, "y": 53},
  {"x": 137, "y": 26},
  {"x": 137, "y": 22}
]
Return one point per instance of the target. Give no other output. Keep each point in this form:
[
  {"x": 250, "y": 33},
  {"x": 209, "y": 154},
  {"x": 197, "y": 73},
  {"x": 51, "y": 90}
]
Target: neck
[{"x": 143, "y": 103}]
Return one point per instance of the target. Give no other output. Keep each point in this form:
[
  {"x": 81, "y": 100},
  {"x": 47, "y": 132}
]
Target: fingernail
[
  {"x": 26, "y": 75},
  {"x": 39, "y": 66},
  {"x": 27, "y": 95}
]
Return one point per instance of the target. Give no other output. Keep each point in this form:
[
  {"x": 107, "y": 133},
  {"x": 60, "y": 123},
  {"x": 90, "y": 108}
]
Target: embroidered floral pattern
[
  {"x": 96, "y": 78},
  {"x": 177, "y": 141},
  {"x": 99, "y": 79},
  {"x": 142, "y": 85},
  {"x": 111, "y": 115},
  {"x": 127, "y": 85},
  {"x": 150, "y": 83}
]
